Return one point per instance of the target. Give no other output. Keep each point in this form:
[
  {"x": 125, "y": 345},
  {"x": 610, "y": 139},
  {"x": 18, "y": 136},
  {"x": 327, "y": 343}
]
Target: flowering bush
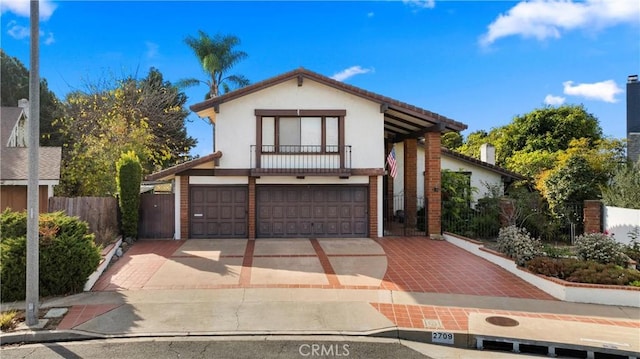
[
  {"x": 601, "y": 248},
  {"x": 518, "y": 244}
]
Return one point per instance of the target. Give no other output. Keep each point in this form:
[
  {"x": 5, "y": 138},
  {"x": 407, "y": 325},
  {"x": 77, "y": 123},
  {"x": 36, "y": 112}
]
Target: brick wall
[
  {"x": 432, "y": 179},
  {"x": 252, "y": 208},
  {"x": 373, "y": 207},
  {"x": 184, "y": 207},
  {"x": 410, "y": 178},
  {"x": 507, "y": 210},
  {"x": 592, "y": 216}
]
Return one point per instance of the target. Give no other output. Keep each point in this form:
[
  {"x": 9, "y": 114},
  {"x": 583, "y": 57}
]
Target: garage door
[
  {"x": 312, "y": 211},
  {"x": 218, "y": 211}
]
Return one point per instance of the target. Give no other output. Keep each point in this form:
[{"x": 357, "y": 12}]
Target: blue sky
[{"x": 478, "y": 62}]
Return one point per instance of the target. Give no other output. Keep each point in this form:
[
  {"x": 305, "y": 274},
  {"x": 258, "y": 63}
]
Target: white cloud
[
  {"x": 18, "y": 31},
  {"x": 49, "y": 39},
  {"x": 603, "y": 91},
  {"x": 152, "y": 49},
  {"x": 553, "y": 100},
  {"x": 542, "y": 19},
  {"x": 424, "y": 4},
  {"x": 350, "y": 72},
  {"x": 22, "y": 8}
]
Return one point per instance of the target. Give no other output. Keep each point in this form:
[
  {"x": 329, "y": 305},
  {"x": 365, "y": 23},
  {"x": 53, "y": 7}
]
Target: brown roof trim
[
  {"x": 304, "y": 73},
  {"x": 490, "y": 167},
  {"x": 183, "y": 167}
]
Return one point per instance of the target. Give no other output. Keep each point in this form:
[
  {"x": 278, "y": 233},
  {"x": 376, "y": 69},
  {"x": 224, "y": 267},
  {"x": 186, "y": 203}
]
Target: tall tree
[
  {"x": 145, "y": 116},
  {"x": 542, "y": 131},
  {"x": 217, "y": 57},
  {"x": 15, "y": 86}
]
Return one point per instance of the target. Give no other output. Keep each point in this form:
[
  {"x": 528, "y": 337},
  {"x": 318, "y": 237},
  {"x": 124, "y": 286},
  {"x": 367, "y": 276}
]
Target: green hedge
[
  {"x": 67, "y": 253},
  {"x": 129, "y": 177}
]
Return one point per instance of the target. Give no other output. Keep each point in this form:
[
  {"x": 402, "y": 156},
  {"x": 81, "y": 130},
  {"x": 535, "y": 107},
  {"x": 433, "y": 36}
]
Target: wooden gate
[{"x": 157, "y": 216}]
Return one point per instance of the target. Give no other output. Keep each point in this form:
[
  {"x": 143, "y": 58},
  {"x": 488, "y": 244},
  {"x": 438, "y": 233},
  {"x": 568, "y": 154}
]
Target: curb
[
  {"x": 461, "y": 340},
  {"x": 44, "y": 336}
]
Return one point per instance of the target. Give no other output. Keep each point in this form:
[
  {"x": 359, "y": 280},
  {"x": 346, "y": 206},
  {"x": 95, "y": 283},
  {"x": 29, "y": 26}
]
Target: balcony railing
[{"x": 301, "y": 160}]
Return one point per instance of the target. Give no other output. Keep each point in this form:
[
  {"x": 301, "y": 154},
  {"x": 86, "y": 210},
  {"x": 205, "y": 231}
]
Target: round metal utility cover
[{"x": 502, "y": 321}]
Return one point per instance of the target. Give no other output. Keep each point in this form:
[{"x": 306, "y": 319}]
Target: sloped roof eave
[
  {"x": 488, "y": 166},
  {"x": 171, "y": 172},
  {"x": 302, "y": 73}
]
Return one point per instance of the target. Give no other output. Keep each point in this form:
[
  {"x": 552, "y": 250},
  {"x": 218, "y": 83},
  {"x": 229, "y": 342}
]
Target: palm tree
[{"x": 217, "y": 56}]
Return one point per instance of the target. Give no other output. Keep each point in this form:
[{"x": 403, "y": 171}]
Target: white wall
[
  {"x": 236, "y": 121},
  {"x": 620, "y": 221},
  {"x": 479, "y": 175}
]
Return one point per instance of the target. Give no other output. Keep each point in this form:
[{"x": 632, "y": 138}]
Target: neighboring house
[
  {"x": 14, "y": 159},
  {"x": 303, "y": 155},
  {"x": 482, "y": 172}
]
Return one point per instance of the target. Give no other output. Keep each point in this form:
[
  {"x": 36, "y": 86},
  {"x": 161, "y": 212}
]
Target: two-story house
[{"x": 303, "y": 155}]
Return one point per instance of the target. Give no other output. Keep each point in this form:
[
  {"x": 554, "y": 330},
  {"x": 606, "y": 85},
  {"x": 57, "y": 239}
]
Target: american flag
[{"x": 391, "y": 162}]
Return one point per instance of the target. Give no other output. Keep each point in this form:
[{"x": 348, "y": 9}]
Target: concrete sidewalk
[
  {"x": 414, "y": 289},
  {"x": 382, "y": 313}
]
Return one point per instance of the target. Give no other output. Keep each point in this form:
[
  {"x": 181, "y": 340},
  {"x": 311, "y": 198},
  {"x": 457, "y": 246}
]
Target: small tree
[
  {"x": 128, "y": 179},
  {"x": 623, "y": 190}
]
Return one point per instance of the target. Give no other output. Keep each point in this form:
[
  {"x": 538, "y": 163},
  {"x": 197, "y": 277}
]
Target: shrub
[
  {"x": 67, "y": 255},
  {"x": 7, "y": 320},
  {"x": 129, "y": 177},
  {"x": 516, "y": 243},
  {"x": 574, "y": 270},
  {"x": 600, "y": 248},
  {"x": 632, "y": 250}
]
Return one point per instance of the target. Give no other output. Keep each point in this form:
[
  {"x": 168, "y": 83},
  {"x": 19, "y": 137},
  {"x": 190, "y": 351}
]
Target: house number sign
[{"x": 442, "y": 337}]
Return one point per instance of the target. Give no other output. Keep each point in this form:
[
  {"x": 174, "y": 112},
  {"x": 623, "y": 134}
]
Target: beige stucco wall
[{"x": 236, "y": 121}]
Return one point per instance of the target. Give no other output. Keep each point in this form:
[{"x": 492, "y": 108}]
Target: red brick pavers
[
  {"x": 79, "y": 314},
  {"x": 138, "y": 264},
  {"x": 457, "y": 319},
  {"x": 418, "y": 264}
]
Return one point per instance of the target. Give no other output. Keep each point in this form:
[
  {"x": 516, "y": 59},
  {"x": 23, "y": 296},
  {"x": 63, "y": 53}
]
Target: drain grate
[{"x": 502, "y": 321}]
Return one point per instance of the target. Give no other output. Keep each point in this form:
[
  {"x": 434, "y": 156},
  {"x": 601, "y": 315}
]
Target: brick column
[
  {"x": 507, "y": 210},
  {"x": 184, "y": 207},
  {"x": 432, "y": 183},
  {"x": 252, "y": 208},
  {"x": 410, "y": 178},
  {"x": 592, "y": 213},
  {"x": 373, "y": 207}
]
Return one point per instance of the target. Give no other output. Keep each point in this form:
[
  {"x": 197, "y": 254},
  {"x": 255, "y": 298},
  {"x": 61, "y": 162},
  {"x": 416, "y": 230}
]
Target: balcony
[{"x": 301, "y": 160}]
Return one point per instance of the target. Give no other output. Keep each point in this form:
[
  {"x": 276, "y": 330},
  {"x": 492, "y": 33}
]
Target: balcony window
[{"x": 300, "y": 134}]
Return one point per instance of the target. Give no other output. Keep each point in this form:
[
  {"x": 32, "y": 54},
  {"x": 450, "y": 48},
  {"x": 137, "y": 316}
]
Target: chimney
[
  {"x": 633, "y": 118},
  {"x": 24, "y": 104},
  {"x": 488, "y": 153}
]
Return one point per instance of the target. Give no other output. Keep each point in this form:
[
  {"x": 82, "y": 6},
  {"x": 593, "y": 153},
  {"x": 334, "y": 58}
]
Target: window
[{"x": 293, "y": 131}]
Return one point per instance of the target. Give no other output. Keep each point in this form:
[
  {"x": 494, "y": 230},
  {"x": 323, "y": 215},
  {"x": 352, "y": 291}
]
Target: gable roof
[
  {"x": 14, "y": 165},
  {"x": 172, "y": 171},
  {"x": 474, "y": 161},
  {"x": 15, "y": 160},
  {"x": 401, "y": 120},
  {"x": 9, "y": 116}
]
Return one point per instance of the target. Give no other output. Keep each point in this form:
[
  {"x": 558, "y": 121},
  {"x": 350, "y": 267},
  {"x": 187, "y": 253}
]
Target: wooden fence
[{"x": 100, "y": 212}]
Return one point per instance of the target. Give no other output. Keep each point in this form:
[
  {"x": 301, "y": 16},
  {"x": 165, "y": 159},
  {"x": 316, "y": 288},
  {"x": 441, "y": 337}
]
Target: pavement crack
[
  {"x": 173, "y": 350},
  {"x": 29, "y": 354}
]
